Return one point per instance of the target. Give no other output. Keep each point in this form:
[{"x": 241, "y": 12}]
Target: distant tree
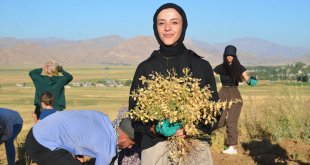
[
  {"x": 128, "y": 82},
  {"x": 102, "y": 82},
  {"x": 303, "y": 78},
  {"x": 299, "y": 65},
  {"x": 287, "y": 72}
]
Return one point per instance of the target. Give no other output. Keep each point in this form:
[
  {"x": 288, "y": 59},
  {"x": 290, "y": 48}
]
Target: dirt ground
[
  {"x": 250, "y": 152},
  {"x": 266, "y": 153},
  {"x": 263, "y": 153}
]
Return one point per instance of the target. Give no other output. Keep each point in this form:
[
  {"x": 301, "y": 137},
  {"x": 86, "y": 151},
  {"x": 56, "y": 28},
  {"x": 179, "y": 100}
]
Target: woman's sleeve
[
  {"x": 139, "y": 127},
  {"x": 65, "y": 79},
  {"x": 217, "y": 69},
  {"x": 36, "y": 76},
  {"x": 211, "y": 81},
  {"x": 134, "y": 86}
]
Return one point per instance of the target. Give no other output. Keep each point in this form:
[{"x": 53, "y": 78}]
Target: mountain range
[{"x": 119, "y": 51}]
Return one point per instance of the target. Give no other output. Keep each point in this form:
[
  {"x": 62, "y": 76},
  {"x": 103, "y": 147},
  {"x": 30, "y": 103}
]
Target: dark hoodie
[
  {"x": 54, "y": 85},
  {"x": 166, "y": 58}
]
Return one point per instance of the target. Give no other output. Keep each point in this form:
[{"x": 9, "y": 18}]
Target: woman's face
[
  {"x": 50, "y": 69},
  {"x": 124, "y": 140},
  {"x": 229, "y": 59},
  {"x": 169, "y": 26}
]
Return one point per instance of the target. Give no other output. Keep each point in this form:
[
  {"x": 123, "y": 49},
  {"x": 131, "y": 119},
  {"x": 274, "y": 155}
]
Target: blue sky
[{"x": 286, "y": 22}]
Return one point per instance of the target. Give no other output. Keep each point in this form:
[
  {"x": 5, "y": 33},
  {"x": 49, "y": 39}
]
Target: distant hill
[{"x": 117, "y": 50}]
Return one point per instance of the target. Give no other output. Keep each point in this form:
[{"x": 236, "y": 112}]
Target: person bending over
[
  {"x": 77, "y": 132},
  {"x": 11, "y": 124}
]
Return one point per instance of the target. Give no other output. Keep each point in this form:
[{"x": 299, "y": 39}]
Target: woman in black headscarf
[{"x": 169, "y": 24}]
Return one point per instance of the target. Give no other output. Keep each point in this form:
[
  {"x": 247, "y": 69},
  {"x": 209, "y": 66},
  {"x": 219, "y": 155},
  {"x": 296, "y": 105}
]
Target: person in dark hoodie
[
  {"x": 47, "y": 79},
  {"x": 169, "y": 25},
  {"x": 231, "y": 72},
  {"x": 11, "y": 124}
]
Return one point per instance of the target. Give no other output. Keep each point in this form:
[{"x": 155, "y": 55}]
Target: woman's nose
[{"x": 167, "y": 27}]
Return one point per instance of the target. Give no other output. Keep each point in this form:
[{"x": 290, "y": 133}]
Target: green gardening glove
[
  {"x": 166, "y": 128},
  {"x": 252, "y": 81}
]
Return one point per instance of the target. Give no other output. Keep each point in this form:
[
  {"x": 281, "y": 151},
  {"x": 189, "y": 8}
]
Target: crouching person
[
  {"x": 10, "y": 125},
  {"x": 55, "y": 139}
]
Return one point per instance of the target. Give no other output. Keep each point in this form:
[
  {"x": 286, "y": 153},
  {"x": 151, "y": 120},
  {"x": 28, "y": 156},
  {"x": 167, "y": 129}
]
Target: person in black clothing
[
  {"x": 231, "y": 72},
  {"x": 169, "y": 25}
]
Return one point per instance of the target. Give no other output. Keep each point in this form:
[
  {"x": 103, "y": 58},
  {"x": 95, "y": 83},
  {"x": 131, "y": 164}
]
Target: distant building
[
  {"x": 109, "y": 83},
  {"x": 21, "y": 84}
]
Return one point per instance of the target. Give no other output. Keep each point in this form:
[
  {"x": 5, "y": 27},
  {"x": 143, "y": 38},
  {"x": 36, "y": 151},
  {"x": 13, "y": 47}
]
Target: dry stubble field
[{"x": 109, "y": 99}]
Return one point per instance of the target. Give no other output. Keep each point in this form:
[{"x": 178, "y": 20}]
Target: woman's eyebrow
[{"x": 162, "y": 19}]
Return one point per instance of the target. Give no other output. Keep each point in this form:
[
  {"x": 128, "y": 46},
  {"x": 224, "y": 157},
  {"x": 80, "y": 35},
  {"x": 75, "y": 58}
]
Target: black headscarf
[{"x": 171, "y": 50}]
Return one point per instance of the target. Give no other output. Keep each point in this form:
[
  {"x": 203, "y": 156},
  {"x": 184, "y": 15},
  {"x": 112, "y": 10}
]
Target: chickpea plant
[{"x": 179, "y": 99}]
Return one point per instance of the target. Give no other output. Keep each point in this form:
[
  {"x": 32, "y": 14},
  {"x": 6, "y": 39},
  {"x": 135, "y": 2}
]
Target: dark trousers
[
  {"x": 230, "y": 116},
  {"x": 37, "y": 111},
  {"x": 44, "y": 156},
  {"x": 9, "y": 144}
]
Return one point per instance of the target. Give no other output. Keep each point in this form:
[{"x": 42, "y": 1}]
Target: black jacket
[{"x": 199, "y": 68}]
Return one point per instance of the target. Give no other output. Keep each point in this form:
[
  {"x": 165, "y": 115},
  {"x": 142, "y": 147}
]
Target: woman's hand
[
  {"x": 168, "y": 129},
  {"x": 181, "y": 133}
]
